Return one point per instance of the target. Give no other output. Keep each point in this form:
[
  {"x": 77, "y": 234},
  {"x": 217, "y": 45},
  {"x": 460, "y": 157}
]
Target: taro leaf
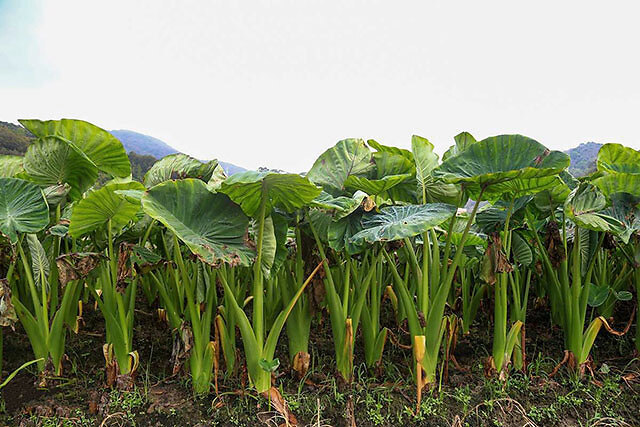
[
  {"x": 340, "y": 233},
  {"x": 217, "y": 177},
  {"x": 23, "y": 208},
  {"x": 597, "y": 295},
  {"x": 288, "y": 192},
  {"x": 550, "y": 199},
  {"x": 619, "y": 183},
  {"x": 429, "y": 188},
  {"x": 463, "y": 141},
  {"x": 78, "y": 265},
  {"x": 616, "y": 158},
  {"x": 59, "y": 230},
  {"x": 269, "y": 366},
  {"x": 375, "y": 186},
  {"x": 210, "y": 224},
  {"x": 394, "y": 176},
  {"x": 623, "y": 295},
  {"x": 101, "y": 206},
  {"x": 178, "y": 166},
  {"x": 505, "y": 165},
  {"x": 584, "y": 207},
  {"x": 55, "y": 194},
  {"x": 341, "y": 206},
  {"x": 10, "y": 166},
  {"x": 398, "y": 222},
  {"x": 39, "y": 261},
  {"x": 348, "y": 157},
  {"x": 522, "y": 253},
  {"x": 626, "y": 209},
  {"x": 102, "y": 148},
  {"x": 321, "y": 221},
  {"x": 474, "y": 237},
  {"x": 8, "y": 315},
  {"x": 144, "y": 259},
  {"x": 391, "y": 150},
  {"x": 53, "y": 161},
  {"x": 493, "y": 218},
  {"x": 426, "y": 160}
]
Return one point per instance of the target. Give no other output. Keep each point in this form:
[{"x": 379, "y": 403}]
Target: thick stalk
[{"x": 258, "y": 285}]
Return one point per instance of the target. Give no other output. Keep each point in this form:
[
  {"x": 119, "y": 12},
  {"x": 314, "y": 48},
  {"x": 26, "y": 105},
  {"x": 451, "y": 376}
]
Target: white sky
[{"x": 275, "y": 83}]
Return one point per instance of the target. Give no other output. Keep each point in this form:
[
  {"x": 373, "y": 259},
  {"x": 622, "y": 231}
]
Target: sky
[{"x": 275, "y": 83}]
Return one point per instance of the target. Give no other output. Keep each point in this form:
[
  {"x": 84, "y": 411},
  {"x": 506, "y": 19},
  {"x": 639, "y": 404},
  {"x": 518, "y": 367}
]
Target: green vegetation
[{"x": 369, "y": 264}]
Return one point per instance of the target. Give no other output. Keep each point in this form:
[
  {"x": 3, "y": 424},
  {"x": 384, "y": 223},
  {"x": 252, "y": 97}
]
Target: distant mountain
[
  {"x": 143, "y": 144},
  {"x": 150, "y": 146},
  {"x": 583, "y": 158}
]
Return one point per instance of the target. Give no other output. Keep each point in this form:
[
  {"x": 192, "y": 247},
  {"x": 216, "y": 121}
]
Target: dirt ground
[{"x": 387, "y": 397}]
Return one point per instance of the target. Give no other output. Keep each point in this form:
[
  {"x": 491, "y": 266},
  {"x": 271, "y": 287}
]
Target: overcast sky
[{"x": 275, "y": 83}]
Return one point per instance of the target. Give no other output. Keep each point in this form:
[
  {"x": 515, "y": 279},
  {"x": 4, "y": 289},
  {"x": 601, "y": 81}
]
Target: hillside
[{"x": 583, "y": 158}]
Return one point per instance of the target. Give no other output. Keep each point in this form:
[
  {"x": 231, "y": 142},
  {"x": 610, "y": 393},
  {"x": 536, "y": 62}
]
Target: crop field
[{"x": 385, "y": 286}]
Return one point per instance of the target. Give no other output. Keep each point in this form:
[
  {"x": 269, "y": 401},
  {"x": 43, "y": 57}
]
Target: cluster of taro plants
[{"x": 232, "y": 259}]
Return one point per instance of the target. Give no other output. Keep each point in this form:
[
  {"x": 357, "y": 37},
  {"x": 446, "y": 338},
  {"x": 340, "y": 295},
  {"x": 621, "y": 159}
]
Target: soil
[{"x": 385, "y": 396}]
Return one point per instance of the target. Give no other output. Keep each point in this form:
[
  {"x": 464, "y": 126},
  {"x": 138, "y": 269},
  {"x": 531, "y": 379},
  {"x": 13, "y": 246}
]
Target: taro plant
[
  {"x": 102, "y": 215},
  {"x": 504, "y": 168},
  {"x": 24, "y": 211},
  {"x": 569, "y": 265},
  {"x": 621, "y": 185},
  {"x": 213, "y": 228},
  {"x": 258, "y": 193}
]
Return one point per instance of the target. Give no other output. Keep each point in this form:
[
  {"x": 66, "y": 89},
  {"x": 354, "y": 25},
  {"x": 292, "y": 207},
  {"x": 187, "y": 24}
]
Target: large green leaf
[
  {"x": 426, "y": 161},
  {"x": 505, "y": 165},
  {"x": 52, "y": 161},
  {"x": 429, "y": 188},
  {"x": 10, "y": 166},
  {"x": 625, "y": 208},
  {"x": 548, "y": 200},
  {"x": 375, "y": 186},
  {"x": 39, "y": 260},
  {"x": 463, "y": 141},
  {"x": 23, "y": 208},
  {"x": 619, "y": 183},
  {"x": 285, "y": 191},
  {"x": 398, "y": 222},
  {"x": 333, "y": 167},
  {"x": 102, "y": 148},
  {"x": 178, "y": 166},
  {"x": 104, "y": 205},
  {"x": 341, "y": 206},
  {"x": 340, "y": 232},
  {"x": 616, "y": 158},
  {"x": 210, "y": 224},
  {"x": 408, "y": 155},
  {"x": 584, "y": 206}
]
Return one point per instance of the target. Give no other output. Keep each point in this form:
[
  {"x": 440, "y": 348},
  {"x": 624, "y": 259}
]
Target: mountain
[
  {"x": 143, "y": 144},
  {"x": 149, "y": 146},
  {"x": 583, "y": 158}
]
